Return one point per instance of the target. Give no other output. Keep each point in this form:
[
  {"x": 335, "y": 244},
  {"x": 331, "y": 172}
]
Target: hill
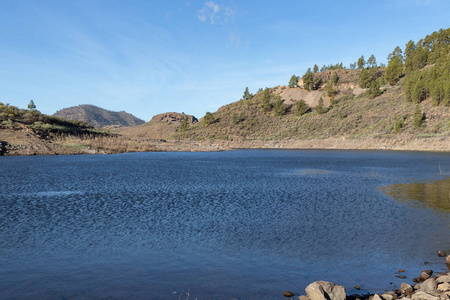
[
  {"x": 404, "y": 103},
  {"x": 161, "y": 126},
  {"x": 98, "y": 117}
]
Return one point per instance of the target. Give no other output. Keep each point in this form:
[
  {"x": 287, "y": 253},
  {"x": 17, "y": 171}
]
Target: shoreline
[
  {"x": 429, "y": 285},
  {"x": 29, "y": 145},
  {"x": 48, "y": 147}
]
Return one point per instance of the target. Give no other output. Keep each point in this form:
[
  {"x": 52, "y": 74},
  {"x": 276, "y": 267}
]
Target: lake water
[{"x": 244, "y": 224}]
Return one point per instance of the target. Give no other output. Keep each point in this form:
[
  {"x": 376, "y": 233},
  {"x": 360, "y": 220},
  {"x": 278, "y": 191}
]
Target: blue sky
[{"x": 150, "y": 57}]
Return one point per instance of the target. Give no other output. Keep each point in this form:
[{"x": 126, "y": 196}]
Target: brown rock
[
  {"x": 323, "y": 290},
  {"x": 288, "y": 294},
  {"x": 425, "y": 275},
  {"x": 303, "y": 297},
  {"x": 441, "y": 254},
  {"x": 400, "y": 276},
  {"x": 406, "y": 289},
  {"x": 416, "y": 279},
  {"x": 447, "y": 260}
]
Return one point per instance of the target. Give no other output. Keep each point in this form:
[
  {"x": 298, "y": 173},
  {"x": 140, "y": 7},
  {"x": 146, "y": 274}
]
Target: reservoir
[{"x": 244, "y": 224}]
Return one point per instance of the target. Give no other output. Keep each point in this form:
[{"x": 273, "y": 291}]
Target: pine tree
[
  {"x": 300, "y": 108},
  {"x": 315, "y": 69},
  {"x": 320, "y": 109},
  {"x": 247, "y": 94},
  {"x": 184, "y": 125},
  {"x": 294, "y": 81},
  {"x": 278, "y": 107},
  {"x": 395, "y": 66},
  {"x": 31, "y": 105},
  {"x": 361, "y": 62},
  {"x": 208, "y": 119},
  {"x": 372, "y": 62},
  {"x": 266, "y": 105},
  {"x": 417, "y": 117}
]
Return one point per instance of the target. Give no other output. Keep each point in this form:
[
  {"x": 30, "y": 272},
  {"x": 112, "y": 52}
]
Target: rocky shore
[
  {"x": 428, "y": 286},
  {"x": 21, "y": 144}
]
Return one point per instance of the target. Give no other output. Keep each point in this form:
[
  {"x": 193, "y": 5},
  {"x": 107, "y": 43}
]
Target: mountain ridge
[{"x": 98, "y": 117}]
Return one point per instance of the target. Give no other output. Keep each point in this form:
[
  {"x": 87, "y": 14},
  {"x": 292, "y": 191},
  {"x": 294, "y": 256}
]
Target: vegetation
[
  {"x": 293, "y": 81},
  {"x": 208, "y": 119},
  {"x": 12, "y": 117},
  {"x": 278, "y": 107}
]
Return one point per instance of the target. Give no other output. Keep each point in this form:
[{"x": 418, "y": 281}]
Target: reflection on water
[
  {"x": 312, "y": 172},
  {"x": 432, "y": 194}
]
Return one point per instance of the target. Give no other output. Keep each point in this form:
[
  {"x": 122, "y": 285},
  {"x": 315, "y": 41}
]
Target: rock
[
  {"x": 303, "y": 297},
  {"x": 358, "y": 287},
  {"x": 376, "y": 297},
  {"x": 425, "y": 275},
  {"x": 420, "y": 295},
  {"x": 447, "y": 260},
  {"x": 443, "y": 278},
  {"x": 428, "y": 285},
  {"x": 416, "y": 279},
  {"x": 445, "y": 296},
  {"x": 400, "y": 276},
  {"x": 288, "y": 294},
  {"x": 406, "y": 289},
  {"x": 441, "y": 254},
  {"x": 323, "y": 290},
  {"x": 444, "y": 287},
  {"x": 388, "y": 296}
]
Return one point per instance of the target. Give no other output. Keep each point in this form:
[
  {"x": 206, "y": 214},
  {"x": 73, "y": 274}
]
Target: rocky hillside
[
  {"x": 161, "y": 126},
  {"x": 99, "y": 117},
  {"x": 351, "y": 114}
]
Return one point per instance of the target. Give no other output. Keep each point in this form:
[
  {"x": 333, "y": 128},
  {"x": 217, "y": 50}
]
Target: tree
[
  {"x": 316, "y": 68},
  {"x": 278, "y": 107},
  {"x": 395, "y": 66},
  {"x": 330, "y": 89},
  {"x": 266, "y": 105},
  {"x": 294, "y": 81},
  {"x": 361, "y": 62},
  {"x": 247, "y": 94},
  {"x": 417, "y": 117},
  {"x": 300, "y": 108},
  {"x": 320, "y": 109},
  {"x": 31, "y": 105},
  {"x": 308, "y": 80},
  {"x": 208, "y": 119},
  {"x": 372, "y": 62},
  {"x": 335, "y": 78},
  {"x": 184, "y": 125},
  {"x": 374, "y": 89},
  {"x": 365, "y": 78},
  {"x": 234, "y": 118}
]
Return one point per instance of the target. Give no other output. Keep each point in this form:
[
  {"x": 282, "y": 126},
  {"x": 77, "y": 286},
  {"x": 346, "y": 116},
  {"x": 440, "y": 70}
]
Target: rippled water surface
[{"x": 247, "y": 224}]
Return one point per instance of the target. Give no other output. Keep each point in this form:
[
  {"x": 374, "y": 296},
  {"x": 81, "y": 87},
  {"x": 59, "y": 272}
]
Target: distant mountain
[{"x": 98, "y": 117}]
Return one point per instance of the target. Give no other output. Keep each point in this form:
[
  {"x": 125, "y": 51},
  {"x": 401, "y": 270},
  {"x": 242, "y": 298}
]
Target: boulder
[
  {"x": 447, "y": 260},
  {"x": 425, "y": 275},
  {"x": 428, "y": 285},
  {"x": 288, "y": 294},
  {"x": 441, "y": 254},
  {"x": 323, "y": 290},
  {"x": 376, "y": 297},
  {"x": 443, "y": 287},
  {"x": 406, "y": 289},
  {"x": 303, "y": 297},
  {"x": 443, "y": 278},
  {"x": 388, "y": 296},
  {"x": 420, "y": 295}
]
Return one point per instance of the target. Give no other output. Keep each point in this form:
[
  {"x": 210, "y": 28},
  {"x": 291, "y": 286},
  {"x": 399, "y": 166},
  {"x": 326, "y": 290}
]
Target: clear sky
[{"x": 148, "y": 57}]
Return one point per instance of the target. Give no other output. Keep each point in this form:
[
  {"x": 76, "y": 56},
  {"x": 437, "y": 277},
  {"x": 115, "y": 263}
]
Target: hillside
[
  {"x": 98, "y": 117},
  {"x": 406, "y": 102},
  {"x": 161, "y": 126}
]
